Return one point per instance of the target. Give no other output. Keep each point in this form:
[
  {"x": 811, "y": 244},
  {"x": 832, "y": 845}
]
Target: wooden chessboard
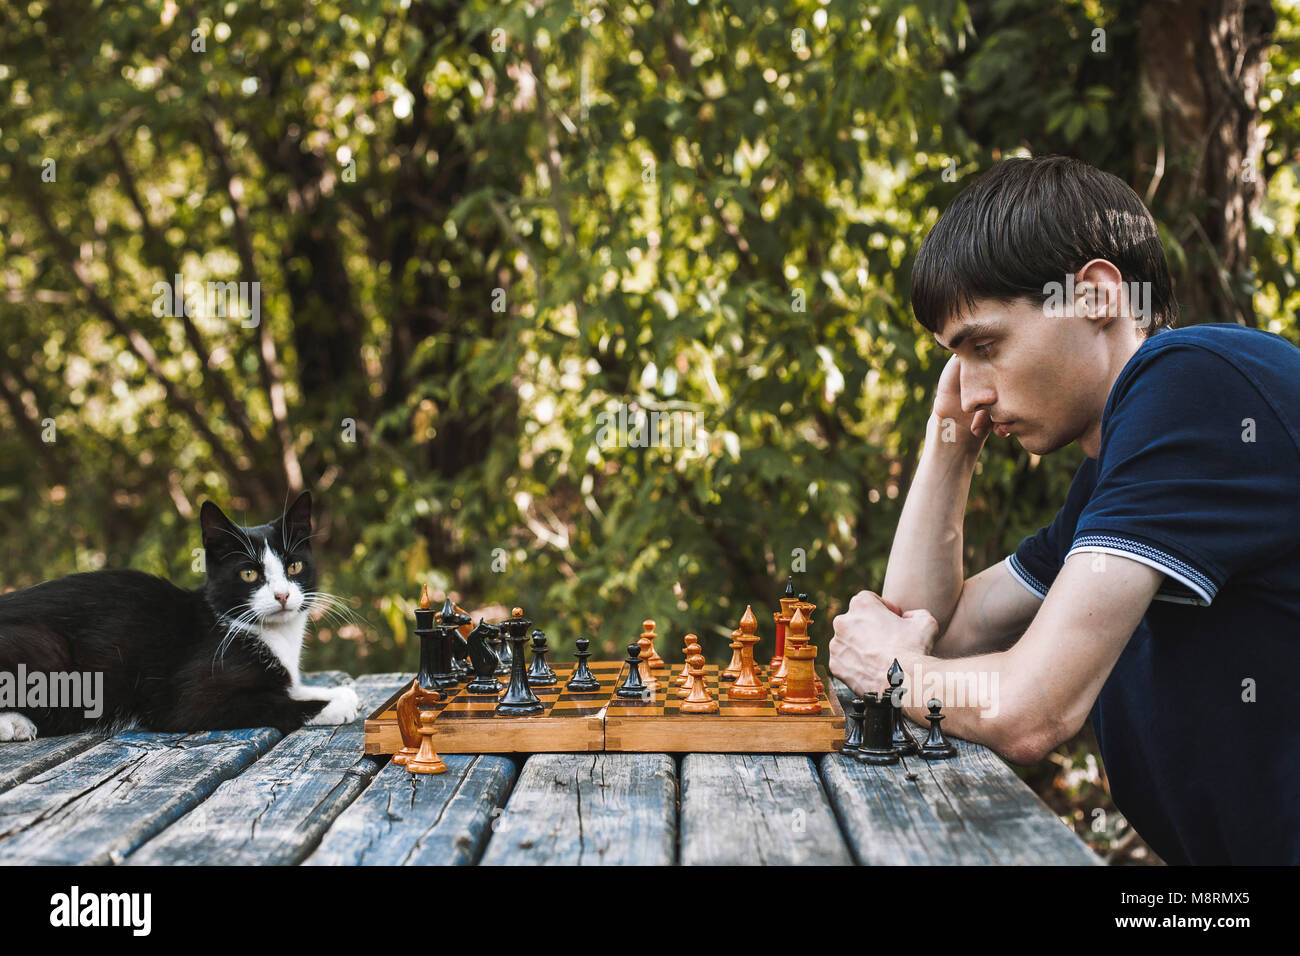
[{"x": 598, "y": 721}]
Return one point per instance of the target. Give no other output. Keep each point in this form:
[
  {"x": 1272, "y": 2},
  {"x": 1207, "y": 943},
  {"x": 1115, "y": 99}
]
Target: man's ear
[
  {"x": 221, "y": 536},
  {"x": 297, "y": 520}
]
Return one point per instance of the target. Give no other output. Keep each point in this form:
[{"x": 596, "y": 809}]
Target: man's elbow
[{"x": 1025, "y": 739}]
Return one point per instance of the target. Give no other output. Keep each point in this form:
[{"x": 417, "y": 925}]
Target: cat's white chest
[{"x": 284, "y": 640}]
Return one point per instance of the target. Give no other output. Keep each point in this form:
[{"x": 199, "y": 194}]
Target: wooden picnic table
[{"x": 313, "y": 798}]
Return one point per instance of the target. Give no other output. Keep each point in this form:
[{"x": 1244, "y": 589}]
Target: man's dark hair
[{"x": 1027, "y": 222}]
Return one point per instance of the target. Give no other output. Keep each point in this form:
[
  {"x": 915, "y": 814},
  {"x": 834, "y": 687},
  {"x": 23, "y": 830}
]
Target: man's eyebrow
[{"x": 975, "y": 328}]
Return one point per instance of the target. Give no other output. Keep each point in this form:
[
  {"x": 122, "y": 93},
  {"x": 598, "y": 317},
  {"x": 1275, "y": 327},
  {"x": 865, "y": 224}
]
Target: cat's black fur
[{"x": 160, "y": 647}]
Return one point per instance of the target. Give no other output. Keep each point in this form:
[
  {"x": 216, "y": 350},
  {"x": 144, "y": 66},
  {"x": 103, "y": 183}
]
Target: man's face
[{"x": 1043, "y": 376}]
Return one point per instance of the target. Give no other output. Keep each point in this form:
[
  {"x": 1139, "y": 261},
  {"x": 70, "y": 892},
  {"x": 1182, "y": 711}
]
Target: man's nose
[{"x": 975, "y": 394}]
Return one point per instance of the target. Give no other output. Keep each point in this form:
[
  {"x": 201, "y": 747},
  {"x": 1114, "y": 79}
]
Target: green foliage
[{"x": 557, "y": 211}]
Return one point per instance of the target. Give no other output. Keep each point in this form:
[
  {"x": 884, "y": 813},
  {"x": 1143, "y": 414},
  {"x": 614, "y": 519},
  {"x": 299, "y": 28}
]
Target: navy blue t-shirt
[{"x": 1198, "y": 475}]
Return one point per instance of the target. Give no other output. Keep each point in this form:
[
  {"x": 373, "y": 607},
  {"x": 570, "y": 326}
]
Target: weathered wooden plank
[
  {"x": 405, "y": 819},
  {"x": 24, "y": 759},
  {"x": 757, "y": 809},
  {"x": 970, "y": 809},
  {"x": 573, "y": 809},
  {"x": 101, "y": 804},
  {"x": 276, "y": 811}
]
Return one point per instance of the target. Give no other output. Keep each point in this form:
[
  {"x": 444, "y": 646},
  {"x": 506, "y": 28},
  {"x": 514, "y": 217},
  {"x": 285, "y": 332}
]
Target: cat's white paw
[
  {"x": 16, "y": 727},
  {"x": 343, "y": 706}
]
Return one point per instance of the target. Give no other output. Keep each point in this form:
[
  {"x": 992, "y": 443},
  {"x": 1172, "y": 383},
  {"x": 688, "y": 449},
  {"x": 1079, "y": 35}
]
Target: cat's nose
[{"x": 283, "y": 598}]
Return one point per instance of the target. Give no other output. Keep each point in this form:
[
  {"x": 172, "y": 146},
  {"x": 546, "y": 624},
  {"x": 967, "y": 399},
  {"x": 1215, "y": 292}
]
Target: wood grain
[
  {"x": 23, "y": 759},
  {"x": 409, "y": 819},
  {"x": 972, "y": 809},
  {"x": 589, "y": 809},
  {"x": 277, "y": 810},
  {"x": 103, "y": 803},
  {"x": 766, "y": 810}
]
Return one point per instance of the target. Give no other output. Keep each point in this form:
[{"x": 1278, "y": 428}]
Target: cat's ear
[
  {"x": 220, "y": 535},
  {"x": 297, "y": 520}
]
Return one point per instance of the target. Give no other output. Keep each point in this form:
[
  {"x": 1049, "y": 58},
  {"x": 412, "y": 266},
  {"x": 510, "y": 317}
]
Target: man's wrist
[{"x": 949, "y": 437}]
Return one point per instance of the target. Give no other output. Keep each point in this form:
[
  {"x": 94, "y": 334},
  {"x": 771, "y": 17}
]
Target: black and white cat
[{"x": 219, "y": 657}]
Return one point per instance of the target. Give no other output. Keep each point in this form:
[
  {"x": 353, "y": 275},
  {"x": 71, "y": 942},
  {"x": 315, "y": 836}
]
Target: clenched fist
[{"x": 871, "y": 634}]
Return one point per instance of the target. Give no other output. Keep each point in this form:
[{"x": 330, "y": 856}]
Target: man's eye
[
  {"x": 983, "y": 350},
  {"x": 249, "y": 575},
  {"x": 295, "y": 567}
]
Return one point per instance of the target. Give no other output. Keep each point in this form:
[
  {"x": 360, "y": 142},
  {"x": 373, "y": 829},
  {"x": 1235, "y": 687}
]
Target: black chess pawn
[
  {"x": 899, "y": 737},
  {"x": 633, "y": 687},
  {"x": 936, "y": 746},
  {"x": 853, "y": 726},
  {"x": 876, "y": 747},
  {"x": 484, "y": 660},
  {"x": 583, "y": 680},
  {"x": 519, "y": 699},
  {"x": 502, "y": 648},
  {"x": 540, "y": 673}
]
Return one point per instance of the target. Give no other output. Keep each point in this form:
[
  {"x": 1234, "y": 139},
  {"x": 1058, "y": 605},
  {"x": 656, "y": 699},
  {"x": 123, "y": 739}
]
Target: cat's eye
[
  {"x": 249, "y": 575},
  {"x": 295, "y": 567}
]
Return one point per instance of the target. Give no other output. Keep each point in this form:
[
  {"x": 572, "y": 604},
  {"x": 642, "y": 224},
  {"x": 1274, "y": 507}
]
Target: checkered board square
[{"x": 598, "y": 720}]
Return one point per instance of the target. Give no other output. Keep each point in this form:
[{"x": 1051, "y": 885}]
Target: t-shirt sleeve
[
  {"x": 1196, "y": 475},
  {"x": 1039, "y": 557}
]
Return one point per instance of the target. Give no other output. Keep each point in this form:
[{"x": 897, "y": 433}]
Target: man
[{"x": 1163, "y": 602}]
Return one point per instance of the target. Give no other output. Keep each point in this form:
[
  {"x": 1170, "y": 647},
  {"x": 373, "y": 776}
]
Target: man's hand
[
  {"x": 947, "y": 404},
  {"x": 874, "y": 632}
]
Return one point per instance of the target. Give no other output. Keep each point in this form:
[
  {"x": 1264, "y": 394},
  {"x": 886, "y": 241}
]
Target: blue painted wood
[
  {"x": 26, "y": 758},
  {"x": 276, "y": 811},
  {"x": 587, "y": 809},
  {"x": 757, "y": 809},
  {"x": 101, "y": 804},
  {"x": 411, "y": 819}
]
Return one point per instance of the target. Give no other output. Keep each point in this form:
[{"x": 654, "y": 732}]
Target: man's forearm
[{"x": 925, "y": 562}]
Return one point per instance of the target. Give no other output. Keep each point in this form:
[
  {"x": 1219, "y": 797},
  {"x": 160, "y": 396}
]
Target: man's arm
[
  {"x": 993, "y": 610},
  {"x": 1039, "y": 691}
]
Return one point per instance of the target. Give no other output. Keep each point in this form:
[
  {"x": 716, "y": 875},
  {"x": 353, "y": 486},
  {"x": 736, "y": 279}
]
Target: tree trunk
[{"x": 1200, "y": 77}]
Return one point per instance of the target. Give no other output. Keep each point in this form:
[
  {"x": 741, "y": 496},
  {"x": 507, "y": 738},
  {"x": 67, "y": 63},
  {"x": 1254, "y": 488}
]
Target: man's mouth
[{"x": 1003, "y": 429}]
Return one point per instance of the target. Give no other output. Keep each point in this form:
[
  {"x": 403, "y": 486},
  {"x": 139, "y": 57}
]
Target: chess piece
[
  {"x": 733, "y": 669},
  {"x": 633, "y": 688},
  {"x": 448, "y": 621},
  {"x": 408, "y": 720},
  {"x": 899, "y": 736},
  {"x": 684, "y": 677},
  {"x": 747, "y": 686},
  {"x": 782, "y": 618},
  {"x": 502, "y": 648},
  {"x": 424, "y": 632},
  {"x": 807, "y": 607},
  {"x": 519, "y": 699},
  {"x": 936, "y": 746},
  {"x": 460, "y": 663},
  {"x": 800, "y": 695},
  {"x": 540, "y": 673},
  {"x": 426, "y": 760},
  {"x": 645, "y": 647},
  {"x": 699, "y": 701},
  {"x": 583, "y": 680},
  {"x": 483, "y": 660},
  {"x": 876, "y": 747},
  {"x": 788, "y": 604},
  {"x": 692, "y": 647},
  {"x": 648, "y": 633},
  {"x": 853, "y": 726}
]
